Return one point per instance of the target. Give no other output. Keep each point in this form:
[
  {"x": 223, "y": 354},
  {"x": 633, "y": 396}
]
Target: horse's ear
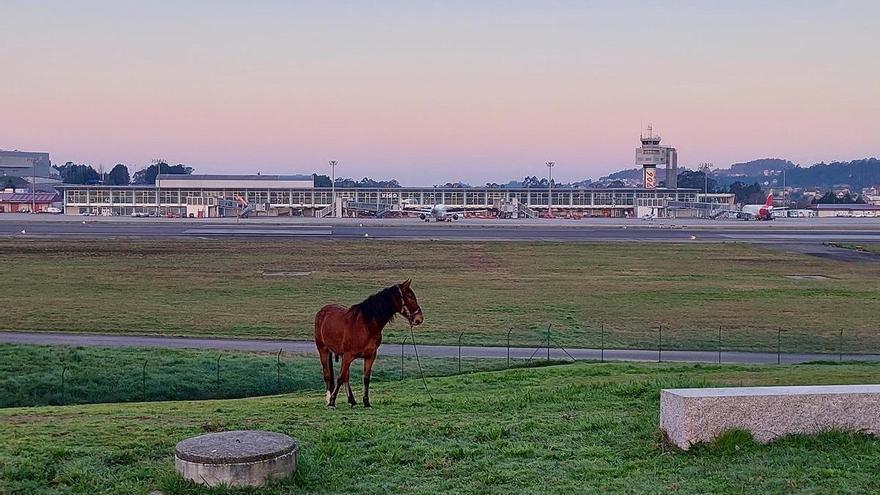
[{"x": 406, "y": 283}]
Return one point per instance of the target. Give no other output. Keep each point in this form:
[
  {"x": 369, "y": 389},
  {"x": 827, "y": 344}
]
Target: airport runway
[
  {"x": 444, "y": 351},
  {"x": 783, "y": 231}
]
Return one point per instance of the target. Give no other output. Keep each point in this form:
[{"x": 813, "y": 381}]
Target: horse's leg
[
  {"x": 351, "y": 399},
  {"x": 368, "y": 368},
  {"x": 343, "y": 377},
  {"x": 327, "y": 365}
]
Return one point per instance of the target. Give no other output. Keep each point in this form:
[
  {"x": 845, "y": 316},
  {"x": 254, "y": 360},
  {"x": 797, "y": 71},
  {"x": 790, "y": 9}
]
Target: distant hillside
[
  {"x": 758, "y": 167},
  {"x": 631, "y": 176},
  {"x": 856, "y": 174},
  {"x": 628, "y": 174}
]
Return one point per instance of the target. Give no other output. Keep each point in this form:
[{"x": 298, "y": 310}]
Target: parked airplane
[
  {"x": 760, "y": 212},
  {"x": 440, "y": 213},
  {"x": 754, "y": 212}
]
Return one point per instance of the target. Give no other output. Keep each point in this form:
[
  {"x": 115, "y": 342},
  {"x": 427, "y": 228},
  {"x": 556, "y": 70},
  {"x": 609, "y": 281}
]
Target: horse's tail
[{"x": 319, "y": 320}]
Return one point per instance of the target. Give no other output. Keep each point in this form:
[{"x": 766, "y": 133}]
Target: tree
[
  {"x": 533, "y": 181},
  {"x": 747, "y": 194},
  {"x": 148, "y": 175},
  {"x": 365, "y": 182},
  {"x": 72, "y": 173},
  {"x": 830, "y": 198},
  {"x": 321, "y": 180},
  {"x": 693, "y": 179},
  {"x": 118, "y": 176}
]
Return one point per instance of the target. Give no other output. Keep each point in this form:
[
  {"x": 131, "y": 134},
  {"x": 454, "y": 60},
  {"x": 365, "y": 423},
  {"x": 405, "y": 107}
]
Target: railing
[
  {"x": 525, "y": 211},
  {"x": 79, "y": 375},
  {"x": 327, "y": 211}
]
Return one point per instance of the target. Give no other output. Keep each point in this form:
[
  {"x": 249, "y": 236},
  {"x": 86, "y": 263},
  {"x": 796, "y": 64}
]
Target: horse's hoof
[
  {"x": 367, "y": 406},
  {"x": 331, "y": 406}
]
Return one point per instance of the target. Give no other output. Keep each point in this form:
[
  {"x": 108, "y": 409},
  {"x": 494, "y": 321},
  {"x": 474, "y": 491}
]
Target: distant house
[{"x": 24, "y": 202}]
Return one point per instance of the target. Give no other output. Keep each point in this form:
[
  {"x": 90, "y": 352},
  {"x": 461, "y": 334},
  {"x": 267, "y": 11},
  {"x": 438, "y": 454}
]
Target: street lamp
[
  {"x": 705, "y": 168},
  {"x": 550, "y": 189},
  {"x": 33, "y": 185},
  {"x": 333, "y": 184},
  {"x": 158, "y": 162}
]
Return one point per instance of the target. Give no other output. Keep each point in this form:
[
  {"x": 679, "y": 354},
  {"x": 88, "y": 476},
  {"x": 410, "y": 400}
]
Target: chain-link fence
[{"x": 39, "y": 375}]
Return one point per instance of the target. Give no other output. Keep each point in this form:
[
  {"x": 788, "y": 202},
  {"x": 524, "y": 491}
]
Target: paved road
[
  {"x": 788, "y": 231},
  {"x": 97, "y": 340}
]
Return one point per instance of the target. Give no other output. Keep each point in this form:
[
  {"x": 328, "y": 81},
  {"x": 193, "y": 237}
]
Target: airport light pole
[
  {"x": 550, "y": 189},
  {"x": 33, "y": 185},
  {"x": 158, "y": 163},
  {"x": 705, "y": 168},
  {"x": 333, "y": 184},
  {"x": 783, "y": 187}
]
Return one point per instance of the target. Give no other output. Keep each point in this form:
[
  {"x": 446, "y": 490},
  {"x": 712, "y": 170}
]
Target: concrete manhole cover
[
  {"x": 807, "y": 277},
  {"x": 236, "y": 458}
]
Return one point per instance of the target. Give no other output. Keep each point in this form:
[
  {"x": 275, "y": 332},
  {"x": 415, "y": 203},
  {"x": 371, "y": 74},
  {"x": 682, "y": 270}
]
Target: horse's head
[{"x": 409, "y": 305}]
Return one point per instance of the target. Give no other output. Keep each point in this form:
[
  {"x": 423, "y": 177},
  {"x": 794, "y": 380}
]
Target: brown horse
[{"x": 356, "y": 332}]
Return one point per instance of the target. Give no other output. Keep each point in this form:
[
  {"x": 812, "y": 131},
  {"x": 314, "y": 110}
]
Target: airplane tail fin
[{"x": 769, "y": 201}]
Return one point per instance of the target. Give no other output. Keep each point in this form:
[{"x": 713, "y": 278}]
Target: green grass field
[
  {"x": 217, "y": 288},
  {"x": 579, "y": 428},
  {"x": 32, "y": 375}
]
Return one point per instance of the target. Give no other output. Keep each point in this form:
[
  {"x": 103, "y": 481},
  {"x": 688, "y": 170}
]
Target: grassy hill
[
  {"x": 581, "y": 428},
  {"x": 31, "y": 375}
]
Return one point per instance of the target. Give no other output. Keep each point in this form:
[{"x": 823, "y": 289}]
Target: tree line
[{"x": 74, "y": 173}]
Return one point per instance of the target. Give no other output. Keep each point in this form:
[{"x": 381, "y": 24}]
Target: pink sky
[{"x": 436, "y": 92}]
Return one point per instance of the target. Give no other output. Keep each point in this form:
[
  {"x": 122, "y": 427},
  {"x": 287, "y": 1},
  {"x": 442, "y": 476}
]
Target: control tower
[{"x": 650, "y": 155}]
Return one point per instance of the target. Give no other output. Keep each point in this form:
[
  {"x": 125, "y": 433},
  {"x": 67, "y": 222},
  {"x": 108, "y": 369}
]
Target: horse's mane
[{"x": 379, "y": 307}]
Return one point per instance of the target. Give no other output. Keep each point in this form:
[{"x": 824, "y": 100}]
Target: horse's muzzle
[{"x": 418, "y": 319}]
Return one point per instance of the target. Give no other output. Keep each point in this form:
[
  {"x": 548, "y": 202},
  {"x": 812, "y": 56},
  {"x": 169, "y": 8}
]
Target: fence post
[
  {"x": 459, "y": 352},
  {"x": 602, "y": 348},
  {"x": 840, "y": 346},
  {"x": 508, "y": 348},
  {"x": 402, "y": 344},
  {"x": 144, "y": 382},
  {"x": 278, "y": 370},
  {"x": 779, "y": 346},
  {"x": 548, "y": 341},
  {"x": 660, "y": 344},
  {"x": 719, "y": 344},
  {"x": 63, "y": 372},
  {"x": 218, "y": 373}
]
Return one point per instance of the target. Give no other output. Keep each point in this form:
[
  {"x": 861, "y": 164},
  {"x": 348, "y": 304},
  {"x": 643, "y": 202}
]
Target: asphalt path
[
  {"x": 789, "y": 231},
  {"x": 440, "y": 351}
]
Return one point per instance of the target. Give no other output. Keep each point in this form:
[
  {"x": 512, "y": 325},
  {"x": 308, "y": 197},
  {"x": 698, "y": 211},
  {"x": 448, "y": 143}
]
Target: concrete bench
[{"x": 693, "y": 415}]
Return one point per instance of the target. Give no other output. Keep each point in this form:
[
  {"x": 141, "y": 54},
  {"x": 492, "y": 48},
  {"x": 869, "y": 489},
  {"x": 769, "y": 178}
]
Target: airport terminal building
[{"x": 295, "y": 195}]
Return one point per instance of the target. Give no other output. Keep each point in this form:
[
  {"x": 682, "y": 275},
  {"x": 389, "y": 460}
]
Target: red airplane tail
[{"x": 769, "y": 201}]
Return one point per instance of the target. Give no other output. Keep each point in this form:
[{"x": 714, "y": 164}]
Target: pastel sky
[{"x": 430, "y": 92}]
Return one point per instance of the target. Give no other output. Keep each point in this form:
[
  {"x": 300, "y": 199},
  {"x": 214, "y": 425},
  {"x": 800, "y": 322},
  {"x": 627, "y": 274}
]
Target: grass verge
[
  {"x": 54, "y": 375},
  {"x": 579, "y": 428}
]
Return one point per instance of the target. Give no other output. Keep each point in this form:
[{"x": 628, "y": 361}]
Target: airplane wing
[{"x": 417, "y": 209}]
